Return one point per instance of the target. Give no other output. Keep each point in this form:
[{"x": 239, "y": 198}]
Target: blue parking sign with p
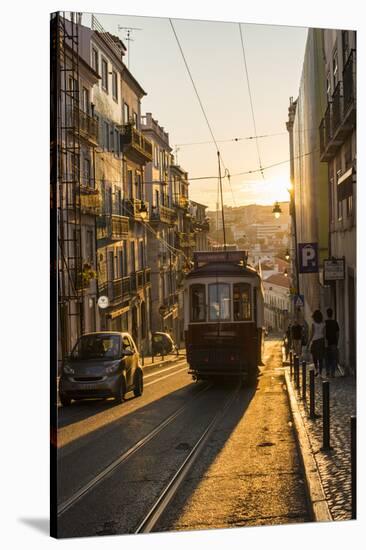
[{"x": 308, "y": 258}]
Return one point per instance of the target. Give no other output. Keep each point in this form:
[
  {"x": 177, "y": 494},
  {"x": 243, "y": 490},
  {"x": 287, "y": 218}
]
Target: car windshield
[{"x": 97, "y": 346}]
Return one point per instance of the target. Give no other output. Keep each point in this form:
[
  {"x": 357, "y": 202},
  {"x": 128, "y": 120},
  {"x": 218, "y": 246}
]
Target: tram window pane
[
  {"x": 219, "y": 302},
  {"x": 198, "y": 303},
  {"x": 241, "y": 299}
]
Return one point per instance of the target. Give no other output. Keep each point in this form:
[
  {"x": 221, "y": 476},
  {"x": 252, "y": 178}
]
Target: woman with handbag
[{"x": 316, "y": 341}]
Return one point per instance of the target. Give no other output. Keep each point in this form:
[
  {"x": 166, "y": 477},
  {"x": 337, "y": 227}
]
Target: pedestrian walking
[
  {"x": 331, "y": 337},
  {"x": 296, "y": 337},
  {"x": 316, "y": 341}
]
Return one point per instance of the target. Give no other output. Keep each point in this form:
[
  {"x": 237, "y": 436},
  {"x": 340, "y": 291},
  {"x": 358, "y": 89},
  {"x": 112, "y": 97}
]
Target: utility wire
[
  {"x": 200, "y": 103},
  {"x": 251, "y": 101}
]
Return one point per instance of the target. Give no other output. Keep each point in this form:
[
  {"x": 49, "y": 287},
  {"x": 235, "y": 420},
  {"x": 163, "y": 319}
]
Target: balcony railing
[
  {"x": 112, "y": 227},
  {"x": 132, "y": 208},
  {"x": 163, "y": 214},
  {"x": 349, "y": 81},
  {"x": 185, "y": 240},
  {"x": 337, "y": 107},
  {"x": 136, "y": 143},
  {"x": 90, "y": 202},
  {"x": 87, "y": 124},
  {"x": 118, "y": 289},
  {"x": 119, "y": 227}
]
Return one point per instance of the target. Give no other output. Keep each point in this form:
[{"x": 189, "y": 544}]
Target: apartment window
[
  {"x": 138, "y": 186},
  {"x": 95, "y": 60},
  {"x": 156, "y": 155},
  {"x": 134, "y": 116},
  {"x": 104, "y": 75},
  {"x": 133, "y": 259},
  {"x": 142, "y": 255},
  {"x": 85, "y": 100},
  {"x": 130, "y": 184},
  {"x": 331, "y": 199},
  {"x": 106, "y": 135},
  {"x": 86, "y": 171},
  {"x": 345, "y": 46},
  {"x": 110, "y": 265},
  {"x": 328, "y": 86},
  {"x": 124, "y": 259},
  {"x": 126, "y": 113},
  {"x": 115, "y": 86},
  {"x": 156, "y": 197},
  {"x": 349, "y": 205},
  {"x": 116, "y": 146},
  {"x": 348, "y": 154},
  {"x": 90, "y": 246},
  {"x": 335, "y": 68}
]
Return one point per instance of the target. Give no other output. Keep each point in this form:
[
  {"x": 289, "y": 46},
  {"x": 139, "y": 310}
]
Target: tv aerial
[{"x": 128, "y": 39}]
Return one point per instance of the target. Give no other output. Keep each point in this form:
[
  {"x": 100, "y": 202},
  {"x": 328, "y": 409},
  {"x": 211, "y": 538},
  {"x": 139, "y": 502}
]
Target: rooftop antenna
[
  {"x": 128, "y": 39},
  {"x": 176, "y": 154}
]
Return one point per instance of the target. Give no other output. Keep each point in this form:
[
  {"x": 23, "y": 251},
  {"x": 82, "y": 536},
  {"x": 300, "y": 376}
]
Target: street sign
[
  {"x": 308, "y": 258},
  {"x": 334, "y": 269},
  {"x": 103, "y": 302},
  {"x": 299, "y": 300}
]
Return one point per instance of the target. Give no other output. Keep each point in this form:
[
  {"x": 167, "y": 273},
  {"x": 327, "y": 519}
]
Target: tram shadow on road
[{"x": 84, "y": 456}]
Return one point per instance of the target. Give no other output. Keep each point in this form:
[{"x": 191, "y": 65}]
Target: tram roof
[{"x": 223, "y": 269}]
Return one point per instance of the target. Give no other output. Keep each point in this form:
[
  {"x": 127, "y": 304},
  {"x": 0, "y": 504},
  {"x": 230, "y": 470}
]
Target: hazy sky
[{"x": 274, "y": 56}]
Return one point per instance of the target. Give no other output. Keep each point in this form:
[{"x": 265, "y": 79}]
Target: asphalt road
[{"x": 248, "y": 474}]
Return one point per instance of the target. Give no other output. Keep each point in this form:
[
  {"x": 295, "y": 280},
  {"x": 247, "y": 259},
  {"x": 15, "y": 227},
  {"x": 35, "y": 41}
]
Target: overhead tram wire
[
  {"x": 251, "y": 100},
  {"x": 200, "y": 103}
]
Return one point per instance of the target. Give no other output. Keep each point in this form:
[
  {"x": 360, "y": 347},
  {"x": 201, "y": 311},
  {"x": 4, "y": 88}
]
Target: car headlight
[
  {"x": 112, "y": 369},
  {"x": 68, "y": 369}
]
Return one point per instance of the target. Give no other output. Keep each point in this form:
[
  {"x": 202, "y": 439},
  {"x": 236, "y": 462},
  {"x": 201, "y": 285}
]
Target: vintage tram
[{"x": 223, "y": 317}]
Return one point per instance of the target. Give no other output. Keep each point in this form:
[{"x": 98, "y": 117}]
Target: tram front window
[
  {"x": 198, "y": 303},
  {"x": 241, "y": 302},
  {"x": 219, "y": 302}
]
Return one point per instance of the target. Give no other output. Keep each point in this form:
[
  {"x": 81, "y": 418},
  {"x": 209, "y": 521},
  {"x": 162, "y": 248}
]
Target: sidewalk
[
  {"x": 158, "y": 361},
  {"x": 334, "y": 466}
]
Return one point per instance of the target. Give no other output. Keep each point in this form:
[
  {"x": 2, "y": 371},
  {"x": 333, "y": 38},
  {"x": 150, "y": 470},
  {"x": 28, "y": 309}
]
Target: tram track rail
[
  {"x": 163, "y": 501},
  {"x": 97, "y": 479}
]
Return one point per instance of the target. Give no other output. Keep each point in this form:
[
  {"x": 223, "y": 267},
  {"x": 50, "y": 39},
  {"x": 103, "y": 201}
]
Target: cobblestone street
[{"x": 335, "y": 465}]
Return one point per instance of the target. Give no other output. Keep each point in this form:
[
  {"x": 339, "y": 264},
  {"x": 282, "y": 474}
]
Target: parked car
[
  {"x": 102, "y": 364},
  {"x": 163, "y": 343}
]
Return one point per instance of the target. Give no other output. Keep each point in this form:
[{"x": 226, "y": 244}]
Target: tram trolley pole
[
  {"x": 303, "y": 381},
  {"x": 353, "y": 468},
  {"x": 326, "y": 417}
]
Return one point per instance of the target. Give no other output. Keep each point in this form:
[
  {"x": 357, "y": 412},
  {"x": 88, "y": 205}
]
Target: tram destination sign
[
  {"x": 334, "y": 269},
  {"x": 200, "y": 258}
]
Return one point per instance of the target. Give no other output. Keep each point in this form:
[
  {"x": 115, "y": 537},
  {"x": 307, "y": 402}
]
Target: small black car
[
  {"x": 163, "y": 344},
  {"x": 102, "y": 364}
]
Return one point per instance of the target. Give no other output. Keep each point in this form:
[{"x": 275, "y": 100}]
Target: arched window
[
  {"x": 197, "y": 303},
  {"x": 219, "y": 302},
  {"x": 242, "y": 302}
]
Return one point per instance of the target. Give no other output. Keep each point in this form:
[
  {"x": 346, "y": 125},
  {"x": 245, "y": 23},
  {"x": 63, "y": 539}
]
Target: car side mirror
[{"x": 127, "y": 352}]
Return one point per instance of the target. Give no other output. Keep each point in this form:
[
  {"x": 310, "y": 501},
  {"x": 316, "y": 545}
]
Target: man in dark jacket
[{"x": 331, "y": 337}]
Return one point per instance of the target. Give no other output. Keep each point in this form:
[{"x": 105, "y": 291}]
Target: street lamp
[
  {"x": 285, "y": 273},
  {"x": 277, "y": 210},
  {"x": 287, "y": 255}
]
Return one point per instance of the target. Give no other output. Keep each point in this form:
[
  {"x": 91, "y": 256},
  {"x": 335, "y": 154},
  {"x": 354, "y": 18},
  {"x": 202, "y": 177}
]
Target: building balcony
[
  {"x": 112, "y": 227},
  {"x": 163, "y": 214},
  {"x": 132, "y": 208},
  {"x": 86, "y": 125},
  {"x": 119, "y": 227},
  {"x": 136, "y": 144},
  {"x": 349, "y": 85},
  {"x": 200, "y": 225},
  {"x": 184, "y": 240},
  {"x": 117, "y": 290},
  {"x": 340, "y": 116},
  {"x": 90, "y": 201}
]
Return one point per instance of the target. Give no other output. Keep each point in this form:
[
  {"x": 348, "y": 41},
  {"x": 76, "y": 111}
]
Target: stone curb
[
  {"x": 316, "y": 496},
  {"x": 166, "y": 362}
]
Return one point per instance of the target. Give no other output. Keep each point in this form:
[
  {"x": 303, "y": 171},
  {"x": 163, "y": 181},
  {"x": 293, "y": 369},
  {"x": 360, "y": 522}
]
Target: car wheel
[
  {"x": 120, "y": 397},
  {"x": 139, "y": 384},
  {"x": 65, "y": 401}
]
